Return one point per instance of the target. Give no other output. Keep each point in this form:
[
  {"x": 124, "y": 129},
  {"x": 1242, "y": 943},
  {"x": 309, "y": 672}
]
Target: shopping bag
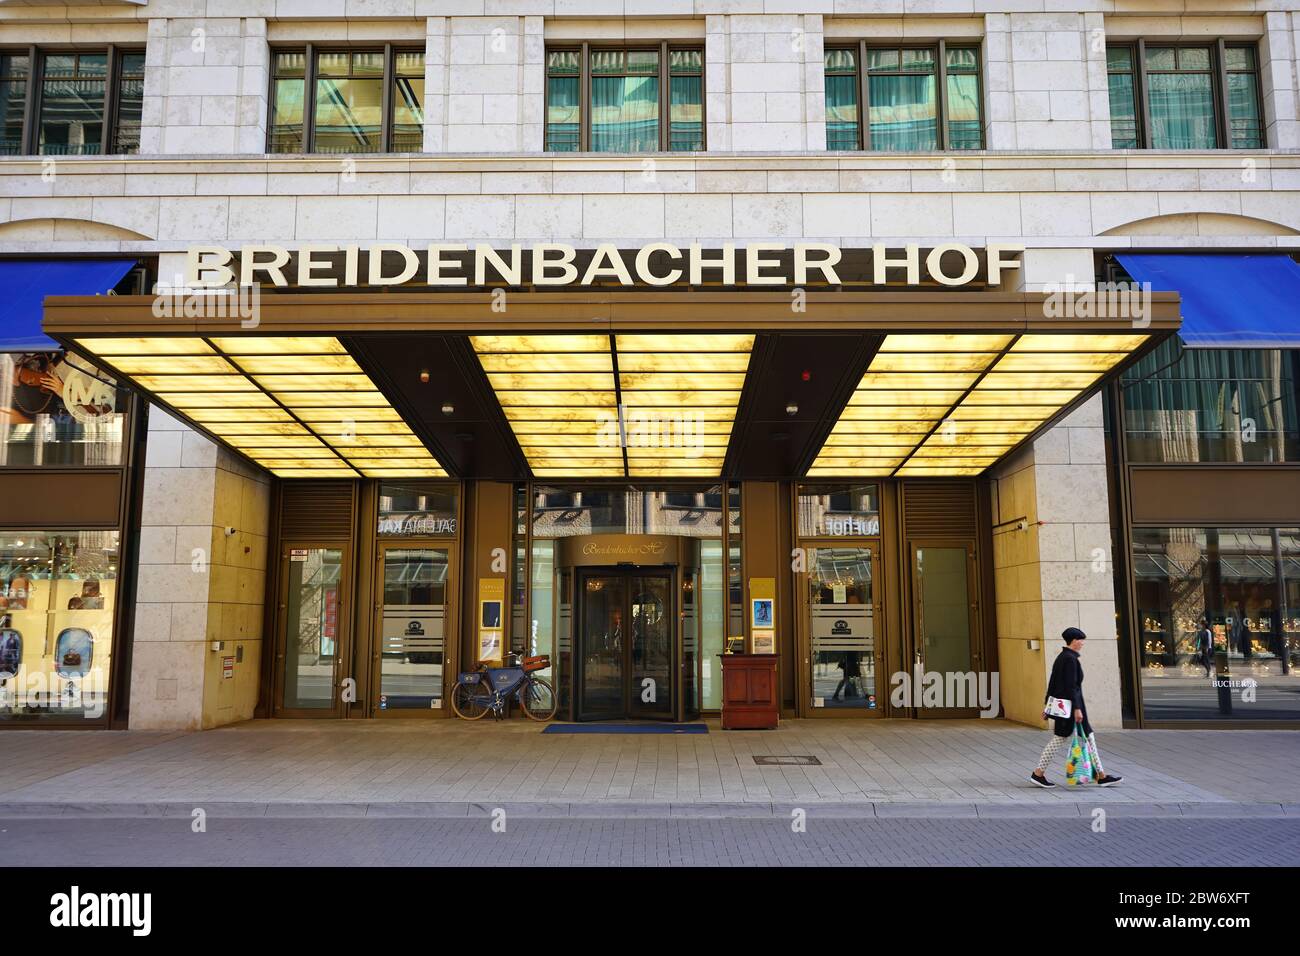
[{"x": 1078, "y": 765}]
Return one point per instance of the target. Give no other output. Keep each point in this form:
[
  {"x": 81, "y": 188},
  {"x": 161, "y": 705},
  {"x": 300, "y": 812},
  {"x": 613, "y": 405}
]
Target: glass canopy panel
[
  {"x": 954, "y": 404},
  {"x": 558, "y": 393},
  {"x": 298, "y": 405}
]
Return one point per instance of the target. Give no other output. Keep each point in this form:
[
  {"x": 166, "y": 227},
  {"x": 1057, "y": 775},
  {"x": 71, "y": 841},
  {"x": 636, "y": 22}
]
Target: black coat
[{"x": 1067, "y": 683}]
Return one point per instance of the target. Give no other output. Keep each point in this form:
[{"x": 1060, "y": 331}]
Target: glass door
[
  {"x": 651, "y": 648},
  {"x": 601, "y": 646},
  {"x": 944, "y": 628},
  {"x": 412, "y": 629},
  {"x": 313, "y": 646},
  {"x": 840, "y": 611}
]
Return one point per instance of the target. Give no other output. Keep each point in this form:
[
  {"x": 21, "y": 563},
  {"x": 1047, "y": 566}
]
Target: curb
[{"x": 646, "y": 810}]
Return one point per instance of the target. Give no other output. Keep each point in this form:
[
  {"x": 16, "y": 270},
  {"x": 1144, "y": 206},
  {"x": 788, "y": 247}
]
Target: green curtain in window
[
  {"x": 562, "y": 114},
  {"x": 965, "y": 130},
  {"x": 841, "y": 112},
  {"x": 1182, "y": 111},
  {"x": 902, "y": 112},
  {"x": 1243, "y": 111},
  {"x": 1213, "y": 405},
  {"x": 686, "y": 114},
  {"x": 624, "y": 114},
  {"x": 1123, "y": 112}
]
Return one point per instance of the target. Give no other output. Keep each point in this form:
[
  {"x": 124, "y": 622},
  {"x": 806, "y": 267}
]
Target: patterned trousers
[{"x": 1054, "y": 747}]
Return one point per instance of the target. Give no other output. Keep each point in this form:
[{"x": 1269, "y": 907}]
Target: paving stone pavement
[
  {"x": 295, "y": 841},
  {"x": 360, "y": 767}
]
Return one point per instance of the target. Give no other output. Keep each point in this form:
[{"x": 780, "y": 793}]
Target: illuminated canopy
[{"x": 616, "y": 385}]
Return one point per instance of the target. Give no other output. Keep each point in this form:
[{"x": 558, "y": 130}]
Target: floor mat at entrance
[{"x": 626, "y": 729}]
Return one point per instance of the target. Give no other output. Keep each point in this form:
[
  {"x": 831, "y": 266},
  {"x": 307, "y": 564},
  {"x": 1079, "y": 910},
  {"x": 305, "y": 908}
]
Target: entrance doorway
[
  {"x": 626, "y": 650},
  {"x": 313, "y": 640},
  {"x": 945, "y": 628}
]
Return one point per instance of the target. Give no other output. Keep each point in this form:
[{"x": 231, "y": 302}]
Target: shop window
[
  {"x": 413, "y": 508},
  {"x": 1184, "y": 96},
  {"x": 838, "y": 511},
  {"x": 58, "y": 593},
  {"x": 625, "y": 109},
  {"x": 1185, "y": 405},
  {"x": 58, "y": 411},
  {"x": 918, "y": 98},
  {"x": 1244, "y": 583},
  {"x": 71, "y": 103},
  {"x": 347, "y": 101}
]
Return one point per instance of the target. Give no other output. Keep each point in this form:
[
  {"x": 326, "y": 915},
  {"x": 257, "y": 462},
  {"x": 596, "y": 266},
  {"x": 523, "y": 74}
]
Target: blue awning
[
  {"x": 1228, "y": 301},
  {"x": 24, "y": 284}
]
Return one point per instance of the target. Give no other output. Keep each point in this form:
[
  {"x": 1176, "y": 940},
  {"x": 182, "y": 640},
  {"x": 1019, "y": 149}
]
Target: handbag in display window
[{"x": 1056, "y": 707}]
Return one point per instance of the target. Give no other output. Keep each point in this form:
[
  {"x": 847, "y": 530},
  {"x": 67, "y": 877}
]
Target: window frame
[
  {"x": 29, "y": 144},
  {"x": 310, "y": 51},
  {"x": 664, "y": 48},
  {"x": 940, "y": 49},
  {"x": 1218, "y": 48}
]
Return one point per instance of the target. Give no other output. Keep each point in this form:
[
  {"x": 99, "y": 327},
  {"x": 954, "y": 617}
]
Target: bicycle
[{"x": 490, "y": 689}]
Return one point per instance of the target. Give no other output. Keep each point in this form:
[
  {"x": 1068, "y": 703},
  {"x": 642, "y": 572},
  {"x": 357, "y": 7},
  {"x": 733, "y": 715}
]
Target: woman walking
[{"x": 1067, "y": 684}]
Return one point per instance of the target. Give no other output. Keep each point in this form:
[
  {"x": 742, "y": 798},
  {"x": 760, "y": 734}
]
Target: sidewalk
[{"x": 453, "y": 768}]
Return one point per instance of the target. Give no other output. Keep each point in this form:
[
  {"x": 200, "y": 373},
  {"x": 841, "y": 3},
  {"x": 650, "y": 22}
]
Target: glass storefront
[
  {"x": 58, "y": 595},
  {"x": 1218, "y": 610},
  {"x": 57, "y": 411}
]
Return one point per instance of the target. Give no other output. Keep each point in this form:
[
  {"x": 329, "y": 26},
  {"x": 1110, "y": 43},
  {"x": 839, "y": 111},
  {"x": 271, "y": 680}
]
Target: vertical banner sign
[
  {"x": 491, "y": 617},
  {"x": 762, "y": 615}
]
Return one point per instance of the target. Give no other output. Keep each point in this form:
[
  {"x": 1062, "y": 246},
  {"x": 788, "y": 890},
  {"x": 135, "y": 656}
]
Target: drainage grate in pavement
[{"x": 788, "y": 760}]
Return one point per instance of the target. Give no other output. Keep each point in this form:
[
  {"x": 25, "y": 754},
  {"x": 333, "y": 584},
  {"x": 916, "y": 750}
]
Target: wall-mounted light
[
  {"x": 424, "y": 376},
  {"x": 448, "y": 408},
  {"x": 792, "y": 409}
]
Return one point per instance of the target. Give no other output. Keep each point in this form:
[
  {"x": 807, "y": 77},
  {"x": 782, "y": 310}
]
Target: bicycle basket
[{"x": 536, "y": 663}]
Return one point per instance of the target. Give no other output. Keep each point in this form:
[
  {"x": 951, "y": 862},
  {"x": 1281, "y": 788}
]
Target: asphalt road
[{"x": 85, "y": 841}]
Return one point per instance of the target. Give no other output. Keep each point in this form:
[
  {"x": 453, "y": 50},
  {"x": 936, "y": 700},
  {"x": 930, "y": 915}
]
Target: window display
[
  {"x": 57, "y": 598},
  {"x": 1242, "y": 586}
]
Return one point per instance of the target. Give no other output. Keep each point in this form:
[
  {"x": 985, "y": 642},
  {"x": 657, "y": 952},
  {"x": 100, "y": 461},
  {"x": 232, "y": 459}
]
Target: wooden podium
[{"x": 750, "y": 698}]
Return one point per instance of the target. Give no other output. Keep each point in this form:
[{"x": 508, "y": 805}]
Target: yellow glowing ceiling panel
[
  {"x": 559, "y": 395},
  {"x": 981, "y": 395},
  {"x": 171, "y": 364},
  {"x": 945, "y": 343},
  {"x": 298, "y": 405},
  {"x": 155, "y": 346},
  {"x": 1059, "y": 361},
  {"x": 678, "y": 381},
  {"x": 280, "y": 345},
  {"x": 562, "y": 396}
]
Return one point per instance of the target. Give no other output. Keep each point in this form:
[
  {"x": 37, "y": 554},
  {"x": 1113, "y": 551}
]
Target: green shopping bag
[{"x": 1078, "y": 765}]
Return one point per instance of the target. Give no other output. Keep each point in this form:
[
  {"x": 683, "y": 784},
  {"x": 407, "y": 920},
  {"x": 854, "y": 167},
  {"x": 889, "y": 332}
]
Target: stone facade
[
  {"x": 1048, "y": 179},
  {"x": 198, "y": 583}
]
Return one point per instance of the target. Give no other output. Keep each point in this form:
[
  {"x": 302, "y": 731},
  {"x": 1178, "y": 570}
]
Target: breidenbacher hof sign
[{"x": 559, "y": 264}]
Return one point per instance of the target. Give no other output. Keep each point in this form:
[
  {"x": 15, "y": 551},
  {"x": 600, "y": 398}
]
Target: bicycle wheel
[
  {"x": 537, "y": 700},
  {"x": 471, "y": 701}
]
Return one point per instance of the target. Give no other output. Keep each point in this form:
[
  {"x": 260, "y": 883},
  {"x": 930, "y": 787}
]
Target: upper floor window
[
  {"x": 918, "y": 98},
  {"x": 1184, "y": 96},
  {"x": 610, "y": 100},
  {"x": 71, "y": 103},
  {"x": 361, "y": 101}
]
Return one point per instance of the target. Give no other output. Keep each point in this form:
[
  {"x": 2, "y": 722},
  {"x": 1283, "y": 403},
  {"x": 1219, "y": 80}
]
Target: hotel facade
[{"x": 351, "y": 344}]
